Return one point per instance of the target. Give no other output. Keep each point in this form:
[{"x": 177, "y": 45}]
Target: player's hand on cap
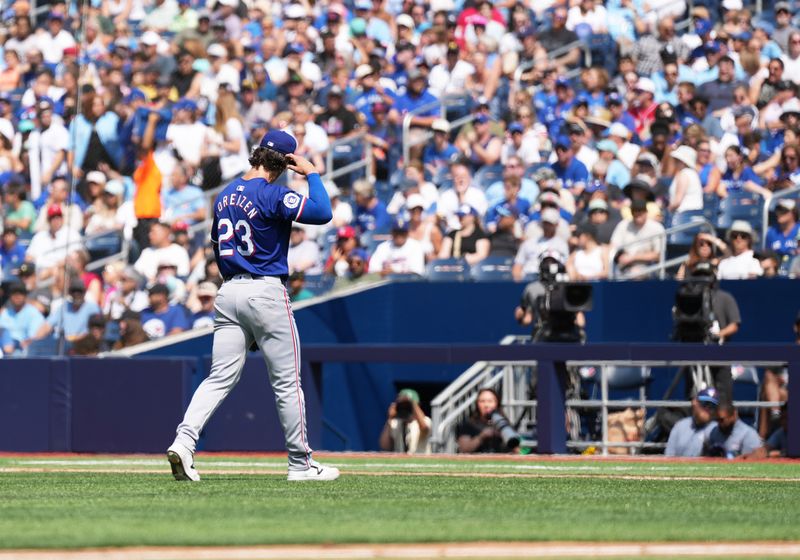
[{"x": 299, "y": 164}]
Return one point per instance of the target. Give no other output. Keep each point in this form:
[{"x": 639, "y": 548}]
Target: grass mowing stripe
[
  {"x": 442, "y": 464},
  {"x": 67, "y": 510}
]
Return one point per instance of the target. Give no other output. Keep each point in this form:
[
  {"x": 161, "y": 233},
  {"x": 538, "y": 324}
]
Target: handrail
[
  {"x": 406, "y": 127},
  {"x": 784, "y": 193},
  {"x": 662, "y": 237},
  {"x": 555, "y": 53}
]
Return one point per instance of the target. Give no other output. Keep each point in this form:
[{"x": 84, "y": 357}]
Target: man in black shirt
[
  {"x": 719, "y": 92},
  {"x": 559, "y": 36},
  {"x": 338, "y": 121}
]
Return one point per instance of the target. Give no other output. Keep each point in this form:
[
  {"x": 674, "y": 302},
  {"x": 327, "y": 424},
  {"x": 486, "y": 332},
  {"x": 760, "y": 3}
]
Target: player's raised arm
[{"x": 317, "y": 207}]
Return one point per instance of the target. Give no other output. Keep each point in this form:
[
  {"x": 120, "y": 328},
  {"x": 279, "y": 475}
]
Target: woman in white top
[
  {"x": 686, "y": 191},
  {"x": 423, "y": 229},
  {"x": 590, "y": 261},
  {"x": 231, "y": 140}
]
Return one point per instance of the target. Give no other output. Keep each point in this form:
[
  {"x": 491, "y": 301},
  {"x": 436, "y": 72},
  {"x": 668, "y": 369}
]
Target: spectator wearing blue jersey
[
  {"x": 372, "y": 92},
  {"x": 12, "y": 254},
  {"x": 529, "y": 189},
  {"x": 512, "y": 203},
  {"x": 161, "y": 318},
  {"x": 439, "y": 153},
  {"x": 616, "y": 172},
  {"x": 70, "y": 316},
  {"x": 739, "y": 176},
  {"x": 416, "y": 97},
  {"x": 571, "y": 172},
  {"x": 782, "y": 237},
  {"x": 183, "y": 202},
  {"x": 19, "y": 320},
  {"x": 371, "y": 213},
  {"x": 204, "y": 317}
]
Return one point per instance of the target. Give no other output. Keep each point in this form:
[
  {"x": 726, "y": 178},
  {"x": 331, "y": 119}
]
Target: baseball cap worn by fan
[
  {"x": 207, "y": 289},
  {"x": 598, "y": 205},
  {"x": 346, "y": 232},
  {"x": 415, "y": 201},
  {"x": 280, "y": 141},
  {"x": 466, "y": 210},
  {"x": 97, "y": 177},
  {"x": 550, "y": 216},
  {"x": 709, "y": 396},
  {"x": 54, "y": 211}
]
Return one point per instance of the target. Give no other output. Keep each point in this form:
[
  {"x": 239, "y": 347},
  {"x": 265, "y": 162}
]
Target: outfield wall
[{"x": 120, "y": 404}]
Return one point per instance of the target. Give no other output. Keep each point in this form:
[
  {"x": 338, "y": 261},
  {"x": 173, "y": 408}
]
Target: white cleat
[
  {"x": 314, "y": 472},
  {"x": 182, "y": 462}
]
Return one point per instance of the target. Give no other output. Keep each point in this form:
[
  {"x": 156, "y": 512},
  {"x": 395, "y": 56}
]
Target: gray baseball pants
[{"x": 251, "y": 309}]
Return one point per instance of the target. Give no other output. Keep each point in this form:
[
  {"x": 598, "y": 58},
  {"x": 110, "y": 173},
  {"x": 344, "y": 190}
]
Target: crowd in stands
[{"x": 490, "y": 132}]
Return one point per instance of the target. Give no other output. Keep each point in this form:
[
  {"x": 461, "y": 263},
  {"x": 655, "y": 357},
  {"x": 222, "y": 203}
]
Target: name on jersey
[{"x": 239, "y": 201}]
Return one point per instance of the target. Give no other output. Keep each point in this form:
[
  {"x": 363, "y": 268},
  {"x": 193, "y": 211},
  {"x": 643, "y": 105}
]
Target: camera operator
[
  {"x": 719, "y": 320},
  {"x": 530, "y": 310},
  {"x": 407, "y": 429},
  {"x": 487, "y": 430}
]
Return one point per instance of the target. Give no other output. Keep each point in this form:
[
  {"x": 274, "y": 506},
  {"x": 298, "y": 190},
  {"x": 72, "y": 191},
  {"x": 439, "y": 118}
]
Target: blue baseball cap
[
  {"x": 360, "y": 253},
  {"x": 481, "y": 118},
  {"x": 703, "y": 26},
  {"x": 400, "y": 225},
  {"x": 711, "y": 46},
  {"x": 563, "y": 141},
  {"x": 466, "y": 210},
  {"x": 708, "y": 395},
  {"x": 743, "y": 36},
  {"x": 614, "y": 99},
  {"x": 595, "y": 186},
  {"x": 766, "y": 27},
  {"x": 280, "y": 141},
  {"x": 562, "y": 82},
  {"x": 184, "y": 104},
  {"x": 516, "y": 127},
  {"x": 135, "y": 95}
]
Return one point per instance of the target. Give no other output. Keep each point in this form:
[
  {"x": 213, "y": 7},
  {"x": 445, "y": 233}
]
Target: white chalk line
[{"x": 432, "y": 550}]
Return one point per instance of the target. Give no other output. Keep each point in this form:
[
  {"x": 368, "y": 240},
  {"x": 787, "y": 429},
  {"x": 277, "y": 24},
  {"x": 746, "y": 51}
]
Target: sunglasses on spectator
[
  {"x": 739, "y": 235},
  {"x": 708, "y": 405},
  {"x": 790, "y": 157}
]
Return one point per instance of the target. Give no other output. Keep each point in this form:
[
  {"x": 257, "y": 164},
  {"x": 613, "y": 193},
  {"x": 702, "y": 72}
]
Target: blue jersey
[
  {"x": 251, "y": 226},
  {"x": 781, "y": 243},
  {"x": 575, "y": 173},
  {"x": 158, "y": 325}
]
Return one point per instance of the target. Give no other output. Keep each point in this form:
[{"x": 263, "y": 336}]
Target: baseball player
[{"x": 250, "y": 234}]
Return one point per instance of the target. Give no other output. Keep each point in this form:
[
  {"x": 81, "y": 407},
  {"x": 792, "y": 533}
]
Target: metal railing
[
  {"x": 511, "y": 379},
  {"x": 363, "y": 163},
  {"x": 776, "y": 196},
  {"x": 663, "y": 263}
]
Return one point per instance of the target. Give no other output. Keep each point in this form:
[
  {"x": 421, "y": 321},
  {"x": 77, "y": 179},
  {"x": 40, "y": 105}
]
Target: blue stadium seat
[
  {"x": 604, "y": 51},
  {"x": 740, "y": 206},
  {"x": 43, "y": 347},
  {"x": 104, "y": 245},
  {"x": 487, "y": 175},
  {"x": 448, "y": 270},
  {"x": 710, "y": 207},
  {"x": 493, "y": 269},
  {"x": 684, "y": 237}
]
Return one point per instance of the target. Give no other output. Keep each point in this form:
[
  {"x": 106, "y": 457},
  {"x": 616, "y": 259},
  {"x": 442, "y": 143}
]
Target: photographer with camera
[
  {"x": 706, "y": 314},
  {"x": 407, "y": 429},
  {"x": 487, "y": 430}
]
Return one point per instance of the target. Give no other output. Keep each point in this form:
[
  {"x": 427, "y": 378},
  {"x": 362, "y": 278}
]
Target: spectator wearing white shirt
[
  {"x": 524, "y": 145},
  {"x": 462, "y": 193},
  {"x": 59, "y": 193},
  {"x": 185, "y": 134},
  {"x": 220, "y": 72},
  {"x": 530, "y": 252},
  {"x": 451, "y": 77},
  {"x": 117, "y": 215},
  {"x": 742, "y": 264},
  {"x": 53, "y": 41},
  {"x": 161, "y": 250},
  {"x": 399, "y": 255},
  {"x": 685, "y": 191},
  {"x": 231, "y": 140},
  {"x": 590, "y": 13},
  {"x": 47, "y": 148},
  {"x": 50, "y": 247},
  {"x": 304, "y": 255},
  {"x": 634, "y": 242}
]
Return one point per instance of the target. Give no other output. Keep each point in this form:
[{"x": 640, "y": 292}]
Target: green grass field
[{"x": 66, "y": 502}]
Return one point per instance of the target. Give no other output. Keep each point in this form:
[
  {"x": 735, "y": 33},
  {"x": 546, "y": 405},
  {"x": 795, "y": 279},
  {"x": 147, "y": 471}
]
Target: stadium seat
[
  {"x": 740, "y": 206},
  {"x": 43, "y": 347},
  {"x": 493, "y": 269},
  {"x": 487, "y": 175},
  {"x": 710, "y": 207},
  {"x": 604, "y": 51},
  {"x": 104, "y": 245},
  {"x": 446, "y": 270},
  {"x": 685, "y": 237}
]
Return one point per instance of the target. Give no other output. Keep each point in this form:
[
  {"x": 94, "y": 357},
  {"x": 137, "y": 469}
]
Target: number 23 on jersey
[{"x": 243, "y": 242}]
